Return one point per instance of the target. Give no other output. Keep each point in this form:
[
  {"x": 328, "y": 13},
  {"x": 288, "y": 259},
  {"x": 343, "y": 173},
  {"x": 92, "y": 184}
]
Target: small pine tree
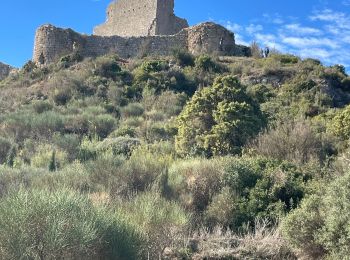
[{"x": 52, "y": 165}]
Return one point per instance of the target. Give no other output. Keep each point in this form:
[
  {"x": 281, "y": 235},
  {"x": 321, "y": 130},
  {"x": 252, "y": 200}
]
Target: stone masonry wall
[
  {"x": 51, "y": 43},
  {"x": 129, "y": 18},
  {"x": 141, "y": 18},
  {"x": 166, "y": 21}
]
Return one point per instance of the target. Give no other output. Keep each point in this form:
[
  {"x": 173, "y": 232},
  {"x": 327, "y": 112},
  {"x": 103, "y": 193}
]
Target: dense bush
[
  {"x": 293, "y": 141},
  {"x": 144, "y": 167},
  {"x": 341, "y": 123},
  {"x": 107, "y": 67},
  {"x": 183, "y": 58},
  {"x": 195, "y": 182},
  {"x": 5, "y": 148},
  {"x": 161, "y": 222},
  {"x": 153, "y": 66},
  {"x": 218, "y": 120},
  {"x": 103, "y": 125},
  {"x": 320, "y": 226},
  {"x": 205, "y": 63},
  {"x": 119, "y": 145},
  {"x": 64, "y": 224},
  {"x": 41, "y": 106}
]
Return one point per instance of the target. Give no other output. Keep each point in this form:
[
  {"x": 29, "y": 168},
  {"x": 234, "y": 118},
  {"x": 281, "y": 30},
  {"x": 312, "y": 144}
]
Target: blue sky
[{"x": 308, "y": 28}]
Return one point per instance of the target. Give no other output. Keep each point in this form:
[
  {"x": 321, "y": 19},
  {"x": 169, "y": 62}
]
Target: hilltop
[{"x": 157, "y": 148}]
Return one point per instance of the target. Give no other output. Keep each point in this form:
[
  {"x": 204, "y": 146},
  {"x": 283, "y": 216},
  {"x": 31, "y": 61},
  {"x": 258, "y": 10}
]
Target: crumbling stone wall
[
  {"x": 211, "y": 38},
  {"x": 141, "y": 18},
  {"x": 4, "y": 70},
  {"x": 51, "y": 43}
]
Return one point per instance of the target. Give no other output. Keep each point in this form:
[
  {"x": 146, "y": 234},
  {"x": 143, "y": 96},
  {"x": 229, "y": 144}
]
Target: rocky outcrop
[{"x": 4, "y": 70}]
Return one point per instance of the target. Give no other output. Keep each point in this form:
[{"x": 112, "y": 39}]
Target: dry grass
[{"x": 263, "y": 242}]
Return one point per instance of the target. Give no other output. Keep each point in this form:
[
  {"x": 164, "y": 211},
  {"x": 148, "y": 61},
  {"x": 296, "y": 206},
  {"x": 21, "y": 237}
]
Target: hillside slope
[{"x": 224, "y": 153}]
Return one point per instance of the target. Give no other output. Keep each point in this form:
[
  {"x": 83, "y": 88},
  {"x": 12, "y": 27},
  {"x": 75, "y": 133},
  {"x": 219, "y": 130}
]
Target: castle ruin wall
[{"x": 52, "y": 43}]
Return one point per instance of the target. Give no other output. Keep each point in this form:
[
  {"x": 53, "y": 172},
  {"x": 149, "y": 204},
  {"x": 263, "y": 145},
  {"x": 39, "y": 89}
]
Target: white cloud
[
  {"x": 234, "y": 27},
  {"x": 301, "y": 42},
  {"x": 340, "y": 19},
  {"x": 317, "y": 53},
  {"x": 254, "y": 28},
  {"x": 324, "y": 35},
  {"x": 240, "y": 40},
  {"x": 270, "y": 40},
  {"x": 302, "y": 30}
]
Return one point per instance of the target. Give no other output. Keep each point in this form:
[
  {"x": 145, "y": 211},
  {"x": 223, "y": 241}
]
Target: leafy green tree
[{"x": 218, "y": 120}]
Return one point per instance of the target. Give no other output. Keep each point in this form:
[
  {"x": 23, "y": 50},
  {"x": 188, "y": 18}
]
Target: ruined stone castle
[{"x": 134, "y": 28}]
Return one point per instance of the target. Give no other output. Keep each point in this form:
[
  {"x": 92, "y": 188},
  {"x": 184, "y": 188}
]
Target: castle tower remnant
[{"x": 129, "y": 18}]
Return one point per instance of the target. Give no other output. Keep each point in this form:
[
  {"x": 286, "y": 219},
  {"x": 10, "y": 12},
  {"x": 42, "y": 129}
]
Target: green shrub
[
  {"x": 124, "y": 131},
  {"x": 302, "y": 225},
  {"x": 223, "y": 208},
  {"x": 341, "y": 123},
  {"x": 161, "y": 222},
  {"x": 183, "y": 58},
  {"x": 261, "y": 93},
  {"x": 195, "y": 182},
  {"x": 107, "y": 67},
  {"x": 42, "y": 106},
  {"x": 47, "y": 156},
  {"x": 242, "y": 174},
  {"x": 205, "y": 63},
  {"x": 144, "y": 167},
  {"x": 293, "y": 141},
  {"x": 105, "y": 174},
  {"x": 132, "y": 110},
  {"x": 69, "y": 143},
  {"x": 103, "y": 125},
  {"x": 46, "y": 123},
  {"x": 153, "y": 66},
  {"x": 218, "y": 120},
  {"x": 321, "y": 225},
  {"x": 120, "y": 145},
  {"x": 286, "y": 58},
  {"x": 69, "y": 60},
  {"x": 62, "y": 96},
  {"x": 314, "y": 62},
  {"x": 115, "y": 95},
  {"x": 5, "y": 148},
  {"x": 76, "y": 124},
  {"x": 63, "y": 224}
]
